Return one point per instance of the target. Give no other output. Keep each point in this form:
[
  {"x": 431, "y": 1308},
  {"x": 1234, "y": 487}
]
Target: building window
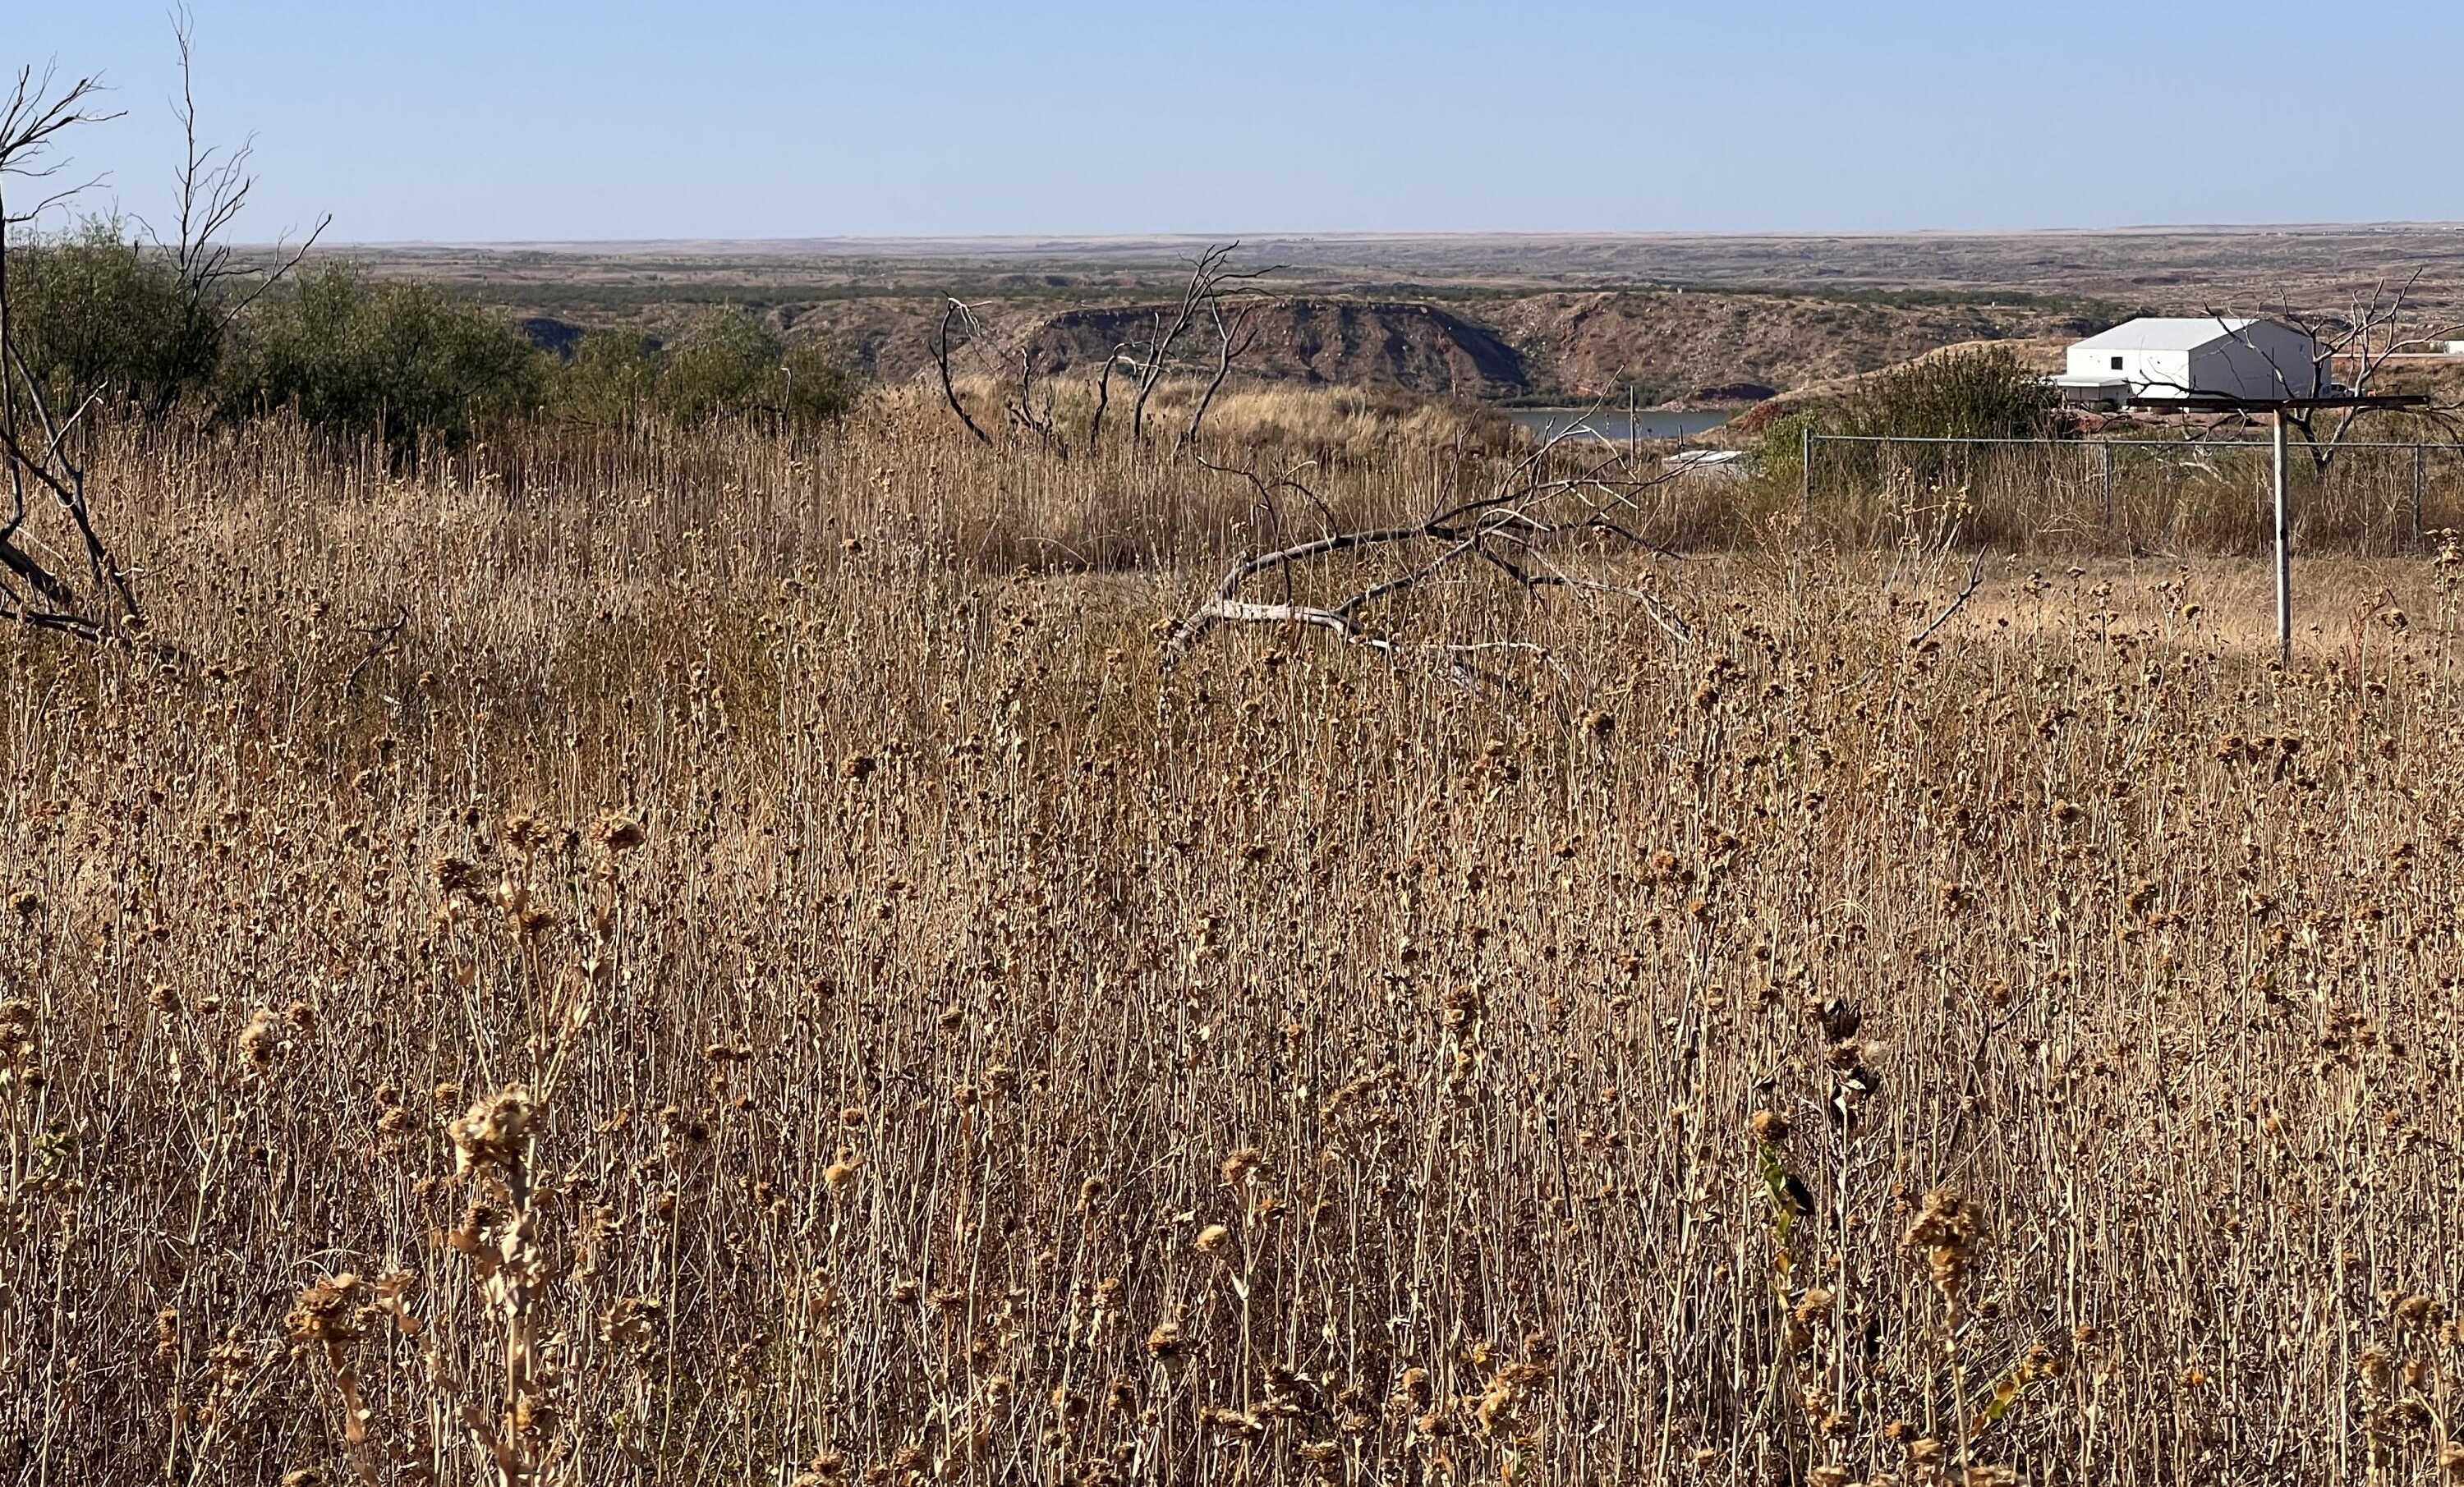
[{"x": 2117, "y": 363}]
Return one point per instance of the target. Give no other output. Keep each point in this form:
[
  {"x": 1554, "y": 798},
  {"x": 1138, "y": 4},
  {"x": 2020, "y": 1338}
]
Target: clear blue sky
[{"x": 553, "y": 119}]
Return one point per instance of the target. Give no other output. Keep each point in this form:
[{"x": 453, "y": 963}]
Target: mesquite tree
[
  {"x": 43, "y": 471},
  {"x": 87, "y": 592}
]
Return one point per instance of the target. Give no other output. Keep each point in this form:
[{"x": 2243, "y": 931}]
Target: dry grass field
[{"x": 730, "y": 960}]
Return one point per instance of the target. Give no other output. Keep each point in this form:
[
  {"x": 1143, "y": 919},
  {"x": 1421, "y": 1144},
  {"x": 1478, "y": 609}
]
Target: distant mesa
[
  {"x": 1706, "y": 348},
  {"x": 1373, "y": 343}
]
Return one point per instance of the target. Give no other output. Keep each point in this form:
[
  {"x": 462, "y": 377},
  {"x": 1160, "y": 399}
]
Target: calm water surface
[{"x": 1651, "y": 424}]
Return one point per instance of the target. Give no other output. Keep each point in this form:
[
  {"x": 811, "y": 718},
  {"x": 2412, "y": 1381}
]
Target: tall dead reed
[{"x": 727, "y": 960}]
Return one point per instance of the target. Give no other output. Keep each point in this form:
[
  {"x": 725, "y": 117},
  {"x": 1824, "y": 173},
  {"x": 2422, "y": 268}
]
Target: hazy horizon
[{"x": 1337, "y": 234}]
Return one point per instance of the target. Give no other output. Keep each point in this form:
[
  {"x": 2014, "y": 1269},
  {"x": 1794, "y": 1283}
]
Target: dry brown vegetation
[
  {"x": 734, "y": 960},
  {"x": 2149, "y": 495},
  {"x": 1353, "y": 424}
]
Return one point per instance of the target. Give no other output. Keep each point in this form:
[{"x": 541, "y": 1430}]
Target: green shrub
[
  {"x": 818, "y": 389},
  {"x": 94, "y": 312},
  {"x": 613, "y": 380},
  {"x": 97, "y": 311},
  {"x": 727, "y": 366},
  {"x": 1780, "y": 455},
  {"x": 355, "y": 353},
  {"x": 1983, "y": 393},
  {"x": 726, "y": 363},
  {"x": 1978, "y": 394}
]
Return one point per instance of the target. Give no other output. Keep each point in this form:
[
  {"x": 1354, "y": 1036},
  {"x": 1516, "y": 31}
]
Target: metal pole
[
  {"x": 2108, "y": 484},
  {"x": 1805, "y": 473},
  {"x": 2283, "y": 558},
  {"x": 2416, "y": 497},
  {"x": 1633, "y": 437}
]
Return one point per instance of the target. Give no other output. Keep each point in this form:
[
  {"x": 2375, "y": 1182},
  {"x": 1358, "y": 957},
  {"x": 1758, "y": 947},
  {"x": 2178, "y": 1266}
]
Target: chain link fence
[{"x": 2166, "y": 495}]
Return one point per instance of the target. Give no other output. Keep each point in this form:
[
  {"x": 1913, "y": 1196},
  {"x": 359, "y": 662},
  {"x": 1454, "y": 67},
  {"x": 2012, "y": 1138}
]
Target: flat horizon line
[{"x": 1014, "y": 240}]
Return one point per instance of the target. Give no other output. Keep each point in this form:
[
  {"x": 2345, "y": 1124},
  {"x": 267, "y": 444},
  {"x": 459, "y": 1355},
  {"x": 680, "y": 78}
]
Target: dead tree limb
[
  {"x": 1266, "y": 512},
  {"x": 961, "y": 313},
  {"x": 39, "y": 448},
  {"x": 214, "y": 186},
  {"x": 1104, "y": 394},
  {"x": 1975, "y": 576},
  {"x": 382, "y": 641},
  {"x": 1211, "y": 278},
  {"x": 1529, "y": 526},
  {"x": 2376, "y": 326},
  {"x": 1233, "y": 341},
  {"x": 1267, "y": 489},
  {"x": 1023, "y": 412},
  {"x": 35, "y": 445}
]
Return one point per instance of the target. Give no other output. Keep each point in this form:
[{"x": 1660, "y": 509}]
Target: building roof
[{"x": 2153, "y": 333}]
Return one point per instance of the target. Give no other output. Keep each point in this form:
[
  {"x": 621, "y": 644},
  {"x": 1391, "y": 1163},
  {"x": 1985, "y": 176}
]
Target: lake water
[{"x": 1650, "y": 423}]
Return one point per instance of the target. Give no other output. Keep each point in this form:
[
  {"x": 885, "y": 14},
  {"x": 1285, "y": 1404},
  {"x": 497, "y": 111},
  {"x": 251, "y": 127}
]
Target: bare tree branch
[
  {"x": 1975, "y": 576},
  {"x": 1233, "y": 341},
  {"x": 1104, "y": 394},
  {"x": 960, "y": 313},
  {"x": 1211, "y": 278},
  {"x": 1023, "y": 412},
  {"x": 35, "y": 444},
  {"x": 1535, "y": 512},
  {"x": 2334, "y": 339},
  {"x": 213, "y": 187}
]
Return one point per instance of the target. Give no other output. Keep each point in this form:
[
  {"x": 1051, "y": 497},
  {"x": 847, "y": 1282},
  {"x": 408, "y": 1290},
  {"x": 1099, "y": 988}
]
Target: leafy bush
[
  {"x": 353, "y": 353},
  {"x": 818, "y": 389},
  {"x": 1780, "y": 455},
  {"x": 1982, "y": 393},
  {"x": 94, "y": 311},
  {"x": 610, "y": 382},
  {"x": 729, "y": 365},
  {"x": 1979, "y": 394}
]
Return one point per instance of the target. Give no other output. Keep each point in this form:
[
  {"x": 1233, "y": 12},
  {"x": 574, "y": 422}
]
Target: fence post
[
  {"x": 2107, "y": 449},
  {"x": 1804, "y": 473},
  {"x": 2416, "y": 497}
]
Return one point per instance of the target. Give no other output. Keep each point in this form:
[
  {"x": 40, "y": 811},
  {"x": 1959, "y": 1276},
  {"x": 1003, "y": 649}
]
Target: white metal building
[{"x": 2190, "y": 359}]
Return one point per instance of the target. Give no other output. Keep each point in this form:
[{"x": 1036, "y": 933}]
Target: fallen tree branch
[
  {"x": 1512, "y": 528},
  {"x": 382, "y": 639}
]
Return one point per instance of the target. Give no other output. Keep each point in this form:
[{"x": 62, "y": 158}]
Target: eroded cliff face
[
  {"x": 1672, "y": 345},
  {"x": 1404, "y": 344},
  {"x": 1687, "y": 346}
]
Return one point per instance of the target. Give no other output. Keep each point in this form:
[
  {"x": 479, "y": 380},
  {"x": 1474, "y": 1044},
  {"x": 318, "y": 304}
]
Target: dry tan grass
[
  {"x": 1290, "y": 417},
  {"x": 766, "y": 979}
]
